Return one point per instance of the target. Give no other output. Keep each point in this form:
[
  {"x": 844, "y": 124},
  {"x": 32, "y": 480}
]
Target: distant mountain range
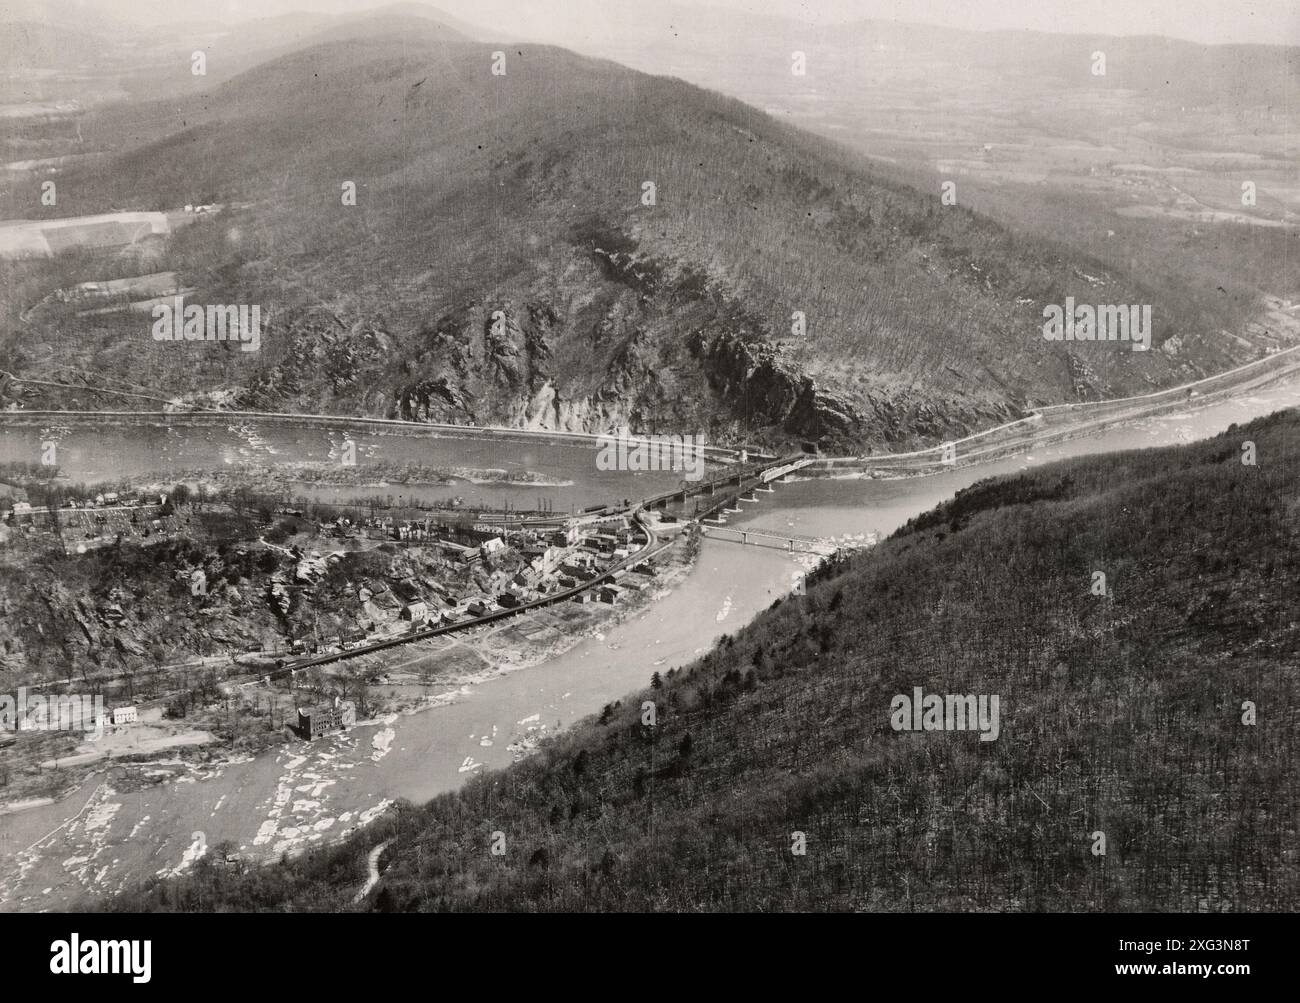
[{"x": 717, "y": 45}]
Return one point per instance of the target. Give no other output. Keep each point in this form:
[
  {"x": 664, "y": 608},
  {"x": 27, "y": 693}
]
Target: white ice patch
[{"x": 382, "y": 743}]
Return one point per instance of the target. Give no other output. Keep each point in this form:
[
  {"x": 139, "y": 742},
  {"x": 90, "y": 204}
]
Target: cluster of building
[
  {"x": 513, "y": 567},
  {"x": 105, "y": 518},
  {"x": 566, "y": 558},
  {"x": 380, "y": 527},
  {"x": 523, "y": 565},
  {"x": 110, "y": 499},
  {"x": 65, "y": 712}
]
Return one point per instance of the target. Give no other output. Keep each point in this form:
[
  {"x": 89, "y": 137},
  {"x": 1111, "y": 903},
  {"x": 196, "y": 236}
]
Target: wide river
[
  {"x": 90, "y": 455},
  {"x": 98, "y": 840}
]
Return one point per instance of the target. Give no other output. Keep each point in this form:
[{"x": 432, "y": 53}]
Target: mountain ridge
[{"x": 521, "y": 194}]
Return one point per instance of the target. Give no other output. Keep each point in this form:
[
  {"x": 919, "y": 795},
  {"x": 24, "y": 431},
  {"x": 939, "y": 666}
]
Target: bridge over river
[{"x": 793, "y": 542}]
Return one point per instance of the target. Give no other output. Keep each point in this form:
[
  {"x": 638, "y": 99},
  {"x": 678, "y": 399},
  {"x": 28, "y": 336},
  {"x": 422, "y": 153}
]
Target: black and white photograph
[{"x": 619, "y": 457}]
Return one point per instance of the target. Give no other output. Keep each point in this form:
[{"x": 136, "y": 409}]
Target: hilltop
[
  {"x": 1160, "y": 715},
  {"x": 520, "y": 196}
]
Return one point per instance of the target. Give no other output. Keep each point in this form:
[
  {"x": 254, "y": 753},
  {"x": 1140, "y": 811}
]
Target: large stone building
[{"x": 325, "y": 718}]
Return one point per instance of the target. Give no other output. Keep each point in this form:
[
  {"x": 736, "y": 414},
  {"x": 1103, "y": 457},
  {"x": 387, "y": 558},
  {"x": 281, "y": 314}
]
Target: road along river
[{"x": 98, "y": 840}]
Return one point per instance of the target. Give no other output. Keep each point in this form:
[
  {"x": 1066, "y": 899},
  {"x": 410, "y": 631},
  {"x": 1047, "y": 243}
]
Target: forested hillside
[
  {"x": 1161, "y": 717},
  {"x": 503, "y": 261}
]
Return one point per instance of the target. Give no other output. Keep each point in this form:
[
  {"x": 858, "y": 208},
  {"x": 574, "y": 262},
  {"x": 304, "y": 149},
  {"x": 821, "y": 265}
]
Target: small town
[{"x": 488, "y": 568}]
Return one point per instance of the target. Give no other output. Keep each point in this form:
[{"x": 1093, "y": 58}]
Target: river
[
  {"x": 91, "y": 454},
  {"x": 99, "y": 840}
]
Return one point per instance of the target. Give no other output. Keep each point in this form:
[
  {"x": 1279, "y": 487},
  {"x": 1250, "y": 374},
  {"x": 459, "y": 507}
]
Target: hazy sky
[{"x": 1270, "y": 21}]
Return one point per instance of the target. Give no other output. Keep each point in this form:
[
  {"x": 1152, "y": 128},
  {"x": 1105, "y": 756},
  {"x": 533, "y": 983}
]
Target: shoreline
[
  {"x": 266, "y": 777},
  {"x": 450, "y": 688},
  {"x": 439, "y": 693}
]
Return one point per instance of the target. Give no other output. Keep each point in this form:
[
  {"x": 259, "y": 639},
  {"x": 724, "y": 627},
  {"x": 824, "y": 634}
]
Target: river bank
[{"x": 301, "y": 796}]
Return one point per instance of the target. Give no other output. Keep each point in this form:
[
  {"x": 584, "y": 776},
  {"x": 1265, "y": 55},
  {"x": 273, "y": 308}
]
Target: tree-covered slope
[
  {"x": 1162, "y": 716},
  {"x": 524, "y": 196}
]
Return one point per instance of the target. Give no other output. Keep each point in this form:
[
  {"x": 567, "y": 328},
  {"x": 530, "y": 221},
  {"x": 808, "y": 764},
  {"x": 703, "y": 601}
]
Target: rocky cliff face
[
  {"x": 624, "y": 341},
  {"x": 770, "y": 393},
  {"x": 502, "y": 367}
]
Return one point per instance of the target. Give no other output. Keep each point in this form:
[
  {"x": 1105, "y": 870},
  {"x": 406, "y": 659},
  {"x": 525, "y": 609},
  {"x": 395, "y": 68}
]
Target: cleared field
[{"x": 45, "y": 238}]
